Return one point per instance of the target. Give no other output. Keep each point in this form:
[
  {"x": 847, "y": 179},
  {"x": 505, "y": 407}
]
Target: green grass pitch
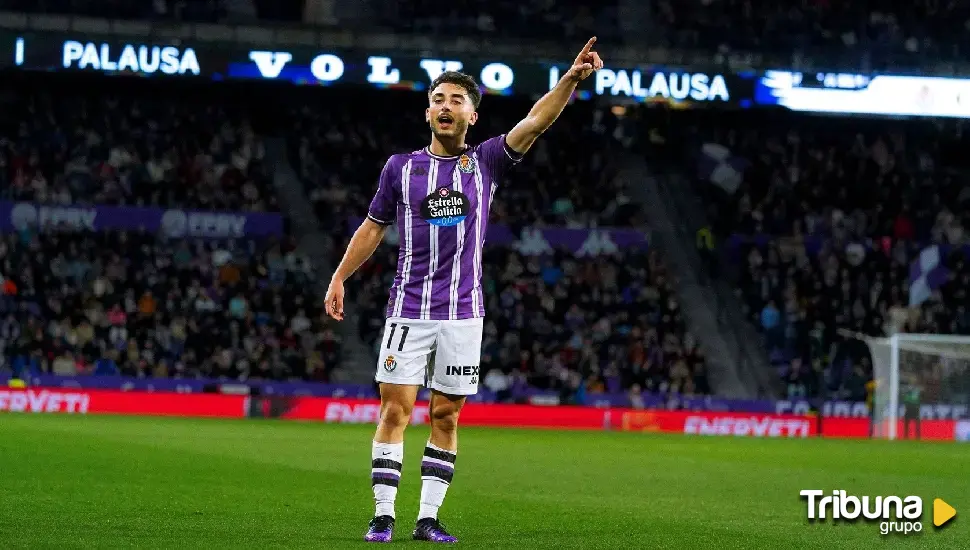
[{"x": 114, "y": 482}]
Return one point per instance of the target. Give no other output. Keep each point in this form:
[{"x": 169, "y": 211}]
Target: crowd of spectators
[
  {"x": 341, "y": 142},
  {"x": 133, "y": 304},
  {"x": 823, "y": 231},
  {"x": 580, "y": 326},
  {"x": 64, "y": 145},
  {"x": 591, "y": 325},
  {"x": 839, "y": 177},
  {"x": 136, "y": 303}
]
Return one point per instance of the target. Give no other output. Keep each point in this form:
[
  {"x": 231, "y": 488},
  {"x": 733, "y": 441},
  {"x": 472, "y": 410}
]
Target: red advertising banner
[
  {"x": 855, "y": 428},
  {"x": 359, "y": 411},
  {"x": 716, "y": 423},
  {"x": 44, "y": 400},
  {"x": 362, "y": 411}
]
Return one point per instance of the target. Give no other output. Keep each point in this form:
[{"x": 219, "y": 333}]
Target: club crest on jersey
[
  {"x": 445, "y": 207},
  {"x": 466, "y": 164},
  {"x": 390, "y": 363}
]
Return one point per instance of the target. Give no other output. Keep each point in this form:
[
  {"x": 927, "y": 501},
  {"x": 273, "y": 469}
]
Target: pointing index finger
[{"x": 588, "y": 46}]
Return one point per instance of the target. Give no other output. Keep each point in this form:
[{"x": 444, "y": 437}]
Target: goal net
[{"x": 912, "y": 372}]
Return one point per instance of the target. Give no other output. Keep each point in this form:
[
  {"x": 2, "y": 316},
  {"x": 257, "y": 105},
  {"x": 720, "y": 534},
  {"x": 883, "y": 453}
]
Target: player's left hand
[
  {"x": 334, "y": 302},
  {"x": 586, "y": 62}
]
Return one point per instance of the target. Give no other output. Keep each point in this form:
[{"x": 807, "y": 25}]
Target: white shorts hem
[
  {"x": 399, "y": 381},
  {"x": 452, "y": 390}
]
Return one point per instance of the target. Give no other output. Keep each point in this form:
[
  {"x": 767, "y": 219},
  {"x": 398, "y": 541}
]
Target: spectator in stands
[{"x": 770, "y": 322}]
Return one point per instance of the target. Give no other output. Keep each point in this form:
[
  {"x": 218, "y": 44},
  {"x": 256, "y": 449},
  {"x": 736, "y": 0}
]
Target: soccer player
[{"x": 440, "y": 197}]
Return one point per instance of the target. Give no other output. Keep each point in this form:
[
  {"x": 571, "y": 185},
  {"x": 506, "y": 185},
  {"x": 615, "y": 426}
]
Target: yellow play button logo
[{"x": 942, "y": 512}]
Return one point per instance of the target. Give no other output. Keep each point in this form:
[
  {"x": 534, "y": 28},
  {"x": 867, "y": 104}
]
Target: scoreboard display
[{"x": 818, "y": 92}]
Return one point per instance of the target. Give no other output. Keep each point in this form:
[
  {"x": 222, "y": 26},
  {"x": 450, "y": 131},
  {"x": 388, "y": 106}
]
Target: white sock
[
  {"x": 437, "y": 469},
  {"x": 386, "y": 459}
]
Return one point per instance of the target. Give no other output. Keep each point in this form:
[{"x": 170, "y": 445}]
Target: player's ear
[
  {"x": 427, "y": 115},
  {"x": 473, "y": 119}
]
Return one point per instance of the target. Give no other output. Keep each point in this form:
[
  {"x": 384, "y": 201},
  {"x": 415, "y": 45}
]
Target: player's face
[{"x": 450, "y": 111}]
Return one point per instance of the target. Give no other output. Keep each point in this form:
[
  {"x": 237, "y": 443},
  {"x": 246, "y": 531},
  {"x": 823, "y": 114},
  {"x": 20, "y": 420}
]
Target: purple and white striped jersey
[{"x": 441, "y": 206}]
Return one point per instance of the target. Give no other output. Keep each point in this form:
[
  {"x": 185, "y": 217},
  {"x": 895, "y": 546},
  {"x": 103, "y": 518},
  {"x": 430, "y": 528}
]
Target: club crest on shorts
[
  {"x": 390, "y": 363},
  {"x": 466, "y": 164}
]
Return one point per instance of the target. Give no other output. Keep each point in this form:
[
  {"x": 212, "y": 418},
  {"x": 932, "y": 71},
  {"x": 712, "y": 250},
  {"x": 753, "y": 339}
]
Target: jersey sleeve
[
  {"x": 497, "y": 156},
  {"x": 383, "y": 207}
]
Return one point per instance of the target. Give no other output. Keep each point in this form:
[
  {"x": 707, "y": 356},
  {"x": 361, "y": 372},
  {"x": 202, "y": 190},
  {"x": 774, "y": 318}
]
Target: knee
[
  {"x": 444, "y": 418},
  {"x": 395, "y": 415}
]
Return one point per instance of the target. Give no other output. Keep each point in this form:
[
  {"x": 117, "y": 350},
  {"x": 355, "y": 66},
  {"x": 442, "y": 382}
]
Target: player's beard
[{"x": 456, "y": 133}]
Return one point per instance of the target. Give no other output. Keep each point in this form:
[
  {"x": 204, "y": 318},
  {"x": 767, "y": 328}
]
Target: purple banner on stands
[
  {"x": 15, "y": 216},
  {"x": 537, "y": 241},
  {"x": 814, "y": 243},
  {"x": 191, "y": 385},
  {"x": 682, "y": 403}
]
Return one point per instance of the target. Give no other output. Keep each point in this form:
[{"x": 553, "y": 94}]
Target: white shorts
[{"x": 442, "y": 355}]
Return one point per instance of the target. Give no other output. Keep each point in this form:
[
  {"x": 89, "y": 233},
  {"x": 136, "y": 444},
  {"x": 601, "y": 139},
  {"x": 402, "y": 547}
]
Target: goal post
[{"x": 912, "y": 370}]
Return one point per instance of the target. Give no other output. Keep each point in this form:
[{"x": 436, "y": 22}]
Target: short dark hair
[{"x": 459, "y": 79}]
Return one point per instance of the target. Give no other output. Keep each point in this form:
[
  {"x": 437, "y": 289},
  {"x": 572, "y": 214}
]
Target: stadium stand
[
  {"x": 105, "y": 146},
  {"x": 611, "y": 321},
  {"x": 132, "y": 147},
  {"x": 136, "y": 305},
  {"x": 339, "y": 157},
  {"x": 826, "y": 228},
  {"x": 809, "y": 248},
  {"x": 98, "y": 300}
]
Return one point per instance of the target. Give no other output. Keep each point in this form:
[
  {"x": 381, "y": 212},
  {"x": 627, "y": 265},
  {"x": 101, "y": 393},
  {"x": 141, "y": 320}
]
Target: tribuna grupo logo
[{"x": 894, "y": 514}]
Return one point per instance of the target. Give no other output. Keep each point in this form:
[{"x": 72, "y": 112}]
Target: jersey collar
[{"x": 427, "y": 151}]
